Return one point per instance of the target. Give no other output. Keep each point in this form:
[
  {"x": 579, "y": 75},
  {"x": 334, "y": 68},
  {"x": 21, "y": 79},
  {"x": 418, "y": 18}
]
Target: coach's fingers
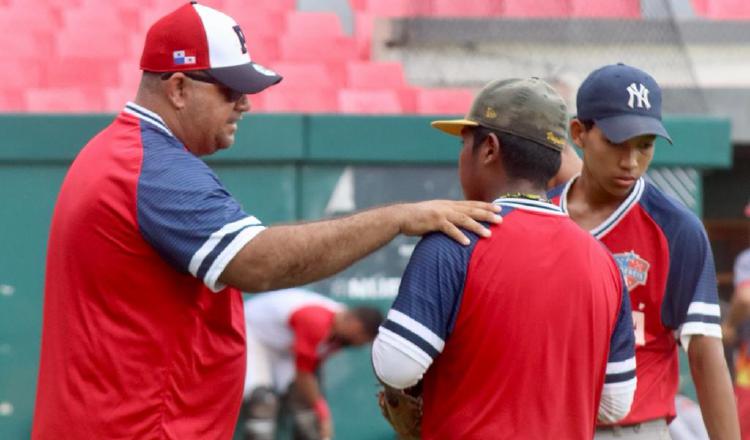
[
  {"x": 482, "y": 211},
  {"x": 453, "y": 232}
]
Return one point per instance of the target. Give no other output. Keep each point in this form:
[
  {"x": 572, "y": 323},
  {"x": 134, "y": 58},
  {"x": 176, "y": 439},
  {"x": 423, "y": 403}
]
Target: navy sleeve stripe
[
  {"x": 411, "y": 337},
  {"x": 211, "y": 279},
  {"x": 208, "y": 247},
  {"x": 703, "y": 318},
  {"x": 619, "y": 377}
]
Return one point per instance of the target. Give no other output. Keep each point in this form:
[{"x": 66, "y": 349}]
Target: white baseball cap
[{"x": 196, "y": 37}]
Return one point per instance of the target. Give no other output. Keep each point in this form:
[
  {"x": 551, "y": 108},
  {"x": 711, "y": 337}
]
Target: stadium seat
[
  {"x": 93, "y": 42},
  {"x": 466, "y": 8},
  {"x": 358, "y": 5},
  {"x": 265, "y": 5},
  {"x": 727, "y": 10},
  {"x": 35, "y": 20},
  {"x": 25, "y": 44},
  {"x": 116, "y": 97},
  {"x": 264, "y": 49},
  {"x": 374, "y": 75},
  {"x": 444, "y": 101},
  {"x": 64, "y": 100},
  {"x": 398, "y": 8},
  {"x": 73, "y": 71},
  {"x": 305, "y": 75},
  {"x": 111, "y": 19},
  {"x": 285, "y": 99},
  {"x": 19, "y": 73},
  {"x": 536, "y": 8},
  {"x": 304, "y": 24},
  {"x": 37, "y": 5},
  {"x": 12, "y": 101},
  {"x": 364, "y": 24},
  {"x": 317, "y": 48},
  {"x": 260, "y": 23},
  {"x": 369, "y": 101},
  {"x": 620, "y": 9}
]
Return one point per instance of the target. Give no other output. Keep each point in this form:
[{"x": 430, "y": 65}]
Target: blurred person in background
[
  {"x": 736, "y": 330},
  {"x": 290, "y": 333}
]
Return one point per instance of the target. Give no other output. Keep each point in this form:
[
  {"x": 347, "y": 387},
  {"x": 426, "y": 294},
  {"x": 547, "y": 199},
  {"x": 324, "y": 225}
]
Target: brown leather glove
[{"x": 403, "y": 410}]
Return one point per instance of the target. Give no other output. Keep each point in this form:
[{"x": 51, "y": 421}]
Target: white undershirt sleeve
[{"x": 395, "y": 368}]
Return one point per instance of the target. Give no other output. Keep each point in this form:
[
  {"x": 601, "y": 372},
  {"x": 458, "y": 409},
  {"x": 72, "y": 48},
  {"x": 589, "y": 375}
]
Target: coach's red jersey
[
  {"x": 517, "y": 328},
  {"x": 665, "y": 257},
  {"x": 140, "y": 339}
]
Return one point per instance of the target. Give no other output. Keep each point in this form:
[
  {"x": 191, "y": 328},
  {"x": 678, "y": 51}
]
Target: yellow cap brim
[{"x": 454, "y": 127}]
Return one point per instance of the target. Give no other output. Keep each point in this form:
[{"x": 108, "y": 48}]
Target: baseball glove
[{"x": 403, "y": 410}]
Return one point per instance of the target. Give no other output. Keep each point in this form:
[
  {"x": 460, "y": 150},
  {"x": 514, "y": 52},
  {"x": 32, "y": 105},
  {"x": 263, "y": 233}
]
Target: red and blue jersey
[
  {"x": 140, "y": 339},
  {"x": 664, "y": 254},
  {"x": 519, "y": 332}
]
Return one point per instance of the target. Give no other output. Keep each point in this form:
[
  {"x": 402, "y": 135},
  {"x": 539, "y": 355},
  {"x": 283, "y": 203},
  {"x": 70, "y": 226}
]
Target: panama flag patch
[
  {"x": 634, "y": 269},
  {"x": 181, "y": 57}
]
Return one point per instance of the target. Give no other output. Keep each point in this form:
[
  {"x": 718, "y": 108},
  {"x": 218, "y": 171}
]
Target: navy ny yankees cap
[
  {"x": 623, "y": 101},
  {"x": 196, "y": 37}
]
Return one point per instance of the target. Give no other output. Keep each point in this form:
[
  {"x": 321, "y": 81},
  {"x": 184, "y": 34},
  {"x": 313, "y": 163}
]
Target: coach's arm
[{"x": 296, "y": 254}]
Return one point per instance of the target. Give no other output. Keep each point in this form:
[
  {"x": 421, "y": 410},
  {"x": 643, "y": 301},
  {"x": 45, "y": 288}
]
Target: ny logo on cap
[{"x": 639, "y": 93}]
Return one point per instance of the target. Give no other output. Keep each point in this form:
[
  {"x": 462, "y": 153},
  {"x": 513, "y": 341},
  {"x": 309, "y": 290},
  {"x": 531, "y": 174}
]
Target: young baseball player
[
  {"x": 660, "y": 247},
  {"x": 527, "y": 334}
]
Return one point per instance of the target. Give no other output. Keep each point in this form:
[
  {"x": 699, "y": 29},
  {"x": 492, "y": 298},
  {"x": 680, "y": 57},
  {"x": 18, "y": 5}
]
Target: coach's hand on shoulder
[{"x": 447, "y": 216}]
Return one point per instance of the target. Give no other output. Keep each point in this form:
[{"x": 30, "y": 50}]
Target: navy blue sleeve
[
  {"x": 425, "y": 310},
  {"x": 691, "y": 301},
  {"x": 185, "y": 212},
  {"x": 621, "y": 361}
]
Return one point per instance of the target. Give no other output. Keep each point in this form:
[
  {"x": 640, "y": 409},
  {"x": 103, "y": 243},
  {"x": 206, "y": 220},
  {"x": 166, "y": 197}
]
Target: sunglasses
[{"x": 229, "y": 94}]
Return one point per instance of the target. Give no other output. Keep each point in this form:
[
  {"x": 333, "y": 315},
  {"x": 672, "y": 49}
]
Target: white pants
[
  {"x": 267, "y": 367},
  {"x": 651, "y": 430}
]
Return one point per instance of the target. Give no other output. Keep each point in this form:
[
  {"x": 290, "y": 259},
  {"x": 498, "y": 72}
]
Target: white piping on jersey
[
  {"x": 417, "y": 328},
  {"x": 215, "y": 238},
  {"x": 211, "y": 279},
  {"x": 621, "y": 366},
  {"x": 405, "y": 346},
  {"x": 147, "y": 115},
  {"x": 702, "y": 308},
  {"x": 607, "y": 225},
  {"x": 530, "y": 205}
]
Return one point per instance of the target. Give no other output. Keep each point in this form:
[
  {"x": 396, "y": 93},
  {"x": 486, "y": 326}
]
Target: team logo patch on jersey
[{"x": 634, "y": 269}]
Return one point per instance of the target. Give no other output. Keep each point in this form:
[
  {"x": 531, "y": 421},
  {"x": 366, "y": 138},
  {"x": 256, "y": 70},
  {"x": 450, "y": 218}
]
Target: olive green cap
[{"x": 528, "y": 108}]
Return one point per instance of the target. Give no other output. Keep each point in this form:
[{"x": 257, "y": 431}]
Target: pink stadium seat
[
  {"x": 398, "y": 8},
  {"x": 29, "y": 19},
  {"x": 115, "y": 98},
  {"x": 317, "y": 48},
  {"x": 466, "y": 8},
  {"x": 307, "y": 100},
  {"x": 305, "y": 75},
  {"x": 701, "y": 7},
  {"x": 259, "y": 23},
  {"x": 727, "y": 10},
  {"x": 264, "y": 49},
  {"x": 364, "y": 25},
  {"x": 369, "y": 101},
  {"x": 358, "y": 5},
  {"x": 536, "y": 8},
  {"x": 374, "y": 75},
  {"x": 12, "y": 101},
  {"x": 606, "y": 8},
  {"x": 444, "y": 101},
  {"x": 268, "y": 5},
  {"x": 75, "y": 71},
  {"x": 30, "y": 44},
  {"x": 305, "y": 24},
  {"x": 111, "y": 19},
  {"x": 19, "y": 73},
  {"x": 64, "y": 100},
  {"x": 44, "y": 4},
  {"x": 93, "y": 42}
]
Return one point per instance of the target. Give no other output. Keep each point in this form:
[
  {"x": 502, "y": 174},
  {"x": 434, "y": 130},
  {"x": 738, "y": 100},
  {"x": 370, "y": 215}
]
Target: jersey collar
[
  {"x": 607, "y": 225},
  {"x": 530, "y": 205},
  {"x": 147, "y": 115}
]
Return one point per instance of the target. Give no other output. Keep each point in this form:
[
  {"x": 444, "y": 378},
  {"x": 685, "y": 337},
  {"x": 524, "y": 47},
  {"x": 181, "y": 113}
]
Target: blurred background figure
[
  {"x": 289, "y": 334},
  {"x": 736, "y": 330}
]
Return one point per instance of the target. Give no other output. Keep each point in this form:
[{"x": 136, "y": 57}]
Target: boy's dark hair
[
  {"x": 370, "y": 317},
  {"x": 523, "y": 159}
]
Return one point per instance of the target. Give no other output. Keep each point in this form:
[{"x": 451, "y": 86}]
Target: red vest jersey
[
  {"x": 665, "y": 258},
  {"x": 517, "y": 328},
  {"x": 139, "y": 339}
]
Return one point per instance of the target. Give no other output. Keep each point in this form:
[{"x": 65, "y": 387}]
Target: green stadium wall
[{"x": 283, "y": 167}]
